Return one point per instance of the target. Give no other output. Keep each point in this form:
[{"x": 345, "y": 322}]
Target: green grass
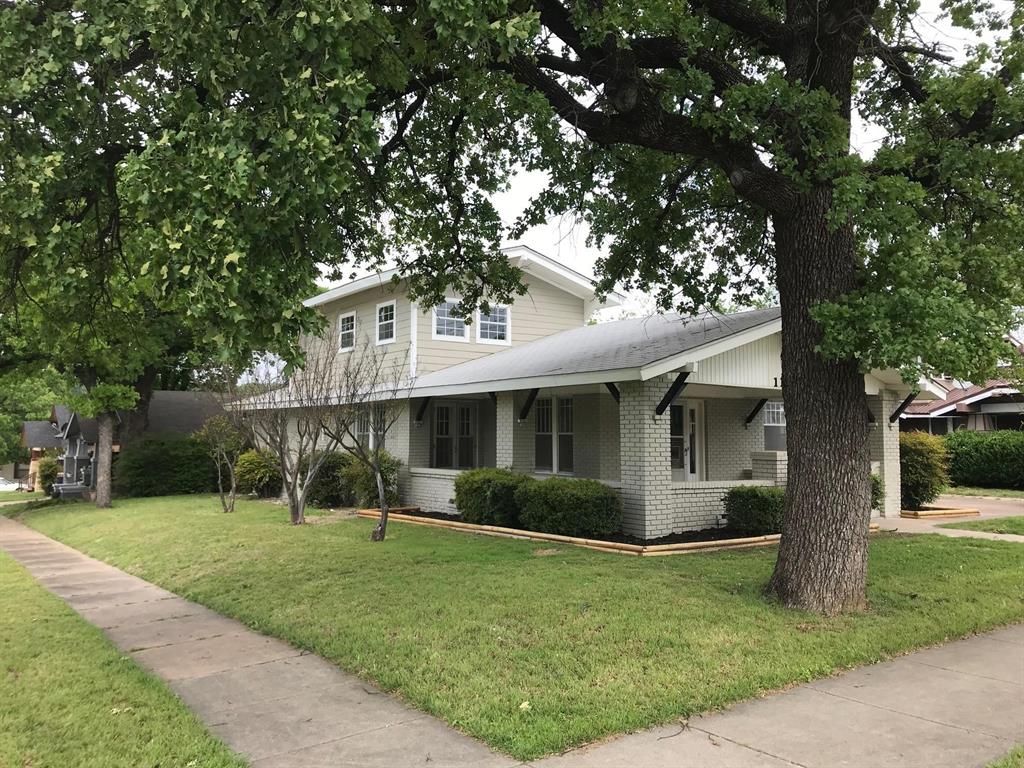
[
  {"x": 471, "y": 628},
  {"x": 20, "y": 495},
  {"x": 1013, "y": 759},
  {"x": 69, "y": 698},
  {"x": 992, "y": 525},
  {"x": 963, "y": 490}
]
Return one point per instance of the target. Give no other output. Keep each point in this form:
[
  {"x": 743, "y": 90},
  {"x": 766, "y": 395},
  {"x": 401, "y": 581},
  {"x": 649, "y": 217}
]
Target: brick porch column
[
  {"x": 505, "y": 430},
  {"x": 884, "y": 445},
  {"x": 645, "y": 458}
]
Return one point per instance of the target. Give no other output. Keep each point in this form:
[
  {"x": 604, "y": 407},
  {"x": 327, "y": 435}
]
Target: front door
[{"x": 687, "y": 427}]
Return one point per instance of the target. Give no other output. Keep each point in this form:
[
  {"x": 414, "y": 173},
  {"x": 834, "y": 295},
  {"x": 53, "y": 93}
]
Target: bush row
[
  {"x": 563, "y": 505},
  {"x": 344, "y": 481},
  {"x": 164, "y": 466},
  {"x": 986, "y": 459}
]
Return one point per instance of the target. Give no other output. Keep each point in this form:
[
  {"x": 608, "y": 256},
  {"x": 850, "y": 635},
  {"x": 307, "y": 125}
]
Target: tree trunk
[
  {"x": 233, "y": 493},
  {"x": 380, "y": 530},
  {"x": 822, "y": 562},
  {"x": 220, "y": 486},
  {"x": 103, "y": 458}
]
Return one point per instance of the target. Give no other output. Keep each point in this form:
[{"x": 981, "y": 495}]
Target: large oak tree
[{"x": 706, "y": 143}]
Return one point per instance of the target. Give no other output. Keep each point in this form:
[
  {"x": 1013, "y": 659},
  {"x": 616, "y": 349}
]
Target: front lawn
[
  {"x": 69, "y": 698},
  {"x": 965, "y": 490},
  {"x": 992, "y": 525},
  {"x": 536, "y": 648}
]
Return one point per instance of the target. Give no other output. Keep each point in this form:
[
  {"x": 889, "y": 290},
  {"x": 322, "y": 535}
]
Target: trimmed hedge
[
  {"x": 257, "y": 472},
  {"x": 986, "y": 459},
  {"x": 923, "y": 462},
  {"x": 754, "y": 510},
  {"x": 569, "y": 506},
  {"x": 362, "y": 484},
  {"x": 487, "y": 496},
  {"x": 164, "y": 467}
]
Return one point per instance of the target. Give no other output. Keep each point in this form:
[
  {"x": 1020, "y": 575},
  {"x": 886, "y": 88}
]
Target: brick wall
[
  {"x": 729, "y": 441},
  {"x": 433, "y": 490},
  {"x": 772, "y": 466},
  {"x": 884, "y": 446}
]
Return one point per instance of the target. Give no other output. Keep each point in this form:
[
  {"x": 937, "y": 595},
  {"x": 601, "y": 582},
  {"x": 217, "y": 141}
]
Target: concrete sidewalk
[
  {"x": 952, "y": 706},
  {"x": 990, "y": 508}
]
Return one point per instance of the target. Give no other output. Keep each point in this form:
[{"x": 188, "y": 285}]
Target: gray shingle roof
[
  {"x": 39, "y": 434},
  {"x": 631, "y": 343}
]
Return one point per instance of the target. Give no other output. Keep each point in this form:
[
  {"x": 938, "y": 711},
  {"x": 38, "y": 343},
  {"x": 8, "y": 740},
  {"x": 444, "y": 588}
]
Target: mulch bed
[{"x": 708, "y": 534}]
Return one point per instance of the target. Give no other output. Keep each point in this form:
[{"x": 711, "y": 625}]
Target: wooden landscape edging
[
  {"x": 653, "y": 550},
  {"x": 933, "y": 511}
]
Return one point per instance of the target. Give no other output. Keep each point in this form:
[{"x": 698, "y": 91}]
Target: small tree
[
  {"x": 372, "y": 390},
  {"x": 285, "y": 415},
  {"x": 224, "y": 439}
]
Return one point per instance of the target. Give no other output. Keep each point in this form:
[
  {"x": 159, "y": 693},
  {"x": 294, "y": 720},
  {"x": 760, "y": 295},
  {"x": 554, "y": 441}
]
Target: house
[
  {"x": 671, "y": 411},
  {"x": 996, "y": 404},
  {"x": 170, "y": 413}
]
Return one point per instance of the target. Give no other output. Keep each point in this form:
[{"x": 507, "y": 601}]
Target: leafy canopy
[{"x": 201, "y": 158}]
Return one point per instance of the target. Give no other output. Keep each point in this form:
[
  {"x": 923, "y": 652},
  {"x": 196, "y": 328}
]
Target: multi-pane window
[
  {"x": 347, "y": 331},
  {"x": 677, "y": 438},
  {"x": 386, "y": 322},
  {"x": 443, "y": 453},
  {"x": 447, "y": 324},
  {"x": 375, "y": 438},
  {"x": 543, "y": 456},
  {"x": 493, "y": 326},
  {"x": 466, "y": 453},
  {"x": 553, "y": 435},
  {"x": 774, "y": 426}
]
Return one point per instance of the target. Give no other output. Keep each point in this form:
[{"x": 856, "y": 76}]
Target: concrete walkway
[
  {"x": 990, "y": 507},
  {"x": 952, "y": 706}
]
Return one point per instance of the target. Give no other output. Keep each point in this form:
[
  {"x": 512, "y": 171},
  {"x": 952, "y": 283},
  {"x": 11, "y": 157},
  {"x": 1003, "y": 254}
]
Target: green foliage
[
  {"x": 47, "y": 469},
  {"x": 569, "y": 506},
  {"x": 923, "y": 468},
  {"x": 877, "y": 493},
  {"x": 330, "y": 486},
  {"x": 487, "y": 496},
  {"x": 161, "y": 466},
  {"x": 363, "y": 483},
  {"x": 257, "y": 472},
  {"x": 986, "y": 459},
  {"x": 25, "y": 395},
  {"x": 754, "y": 510}
]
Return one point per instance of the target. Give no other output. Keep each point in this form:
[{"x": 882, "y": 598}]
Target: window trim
[
  {"x": 394, "y": 322},
  {"x": 507, "y": 341},
  {"x": 454, "y": 408},
  {"x": 344, "y": 316},
  {"x": 556, "y": 432},
  {"x": 465, "y": 337},
  {"x": 770, "y": 409}
]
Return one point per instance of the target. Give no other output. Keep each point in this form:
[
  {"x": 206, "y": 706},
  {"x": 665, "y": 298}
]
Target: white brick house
[{"x": 670, "y": 411}]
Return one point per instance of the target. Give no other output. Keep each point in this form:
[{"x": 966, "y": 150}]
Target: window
[
  {"x": 493, "y": 327},
  {"x": 543, "y": 455},
  {"x": 364, "y": 436},
  {"x": 347, "y": 332},
  {"x": 386, "y": 323},
  {"x": 447, "y": 324},
  {"x": 454, "y": 444},
  {"x": 677, "y": 438},
  {"x": 553, "y": 435},
  {"x": 774, "y": 426}
]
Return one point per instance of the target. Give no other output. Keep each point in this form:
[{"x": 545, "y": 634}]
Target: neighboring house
[
  {"x": 671, "y": 411},
  {"x": 998, "y": 404},
  {"x": 170, "y": 413}
]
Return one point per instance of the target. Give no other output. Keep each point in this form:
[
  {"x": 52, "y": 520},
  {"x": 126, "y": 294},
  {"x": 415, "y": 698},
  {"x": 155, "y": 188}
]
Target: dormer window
[
  {"x": 493, "y": 327},
  {"x": 447, "y": 324},
  {"x": 347, "y": 332},
  {"x": 386, "y": 322}
]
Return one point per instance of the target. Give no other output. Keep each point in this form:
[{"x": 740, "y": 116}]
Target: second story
[{"x": 375, "y": 310}]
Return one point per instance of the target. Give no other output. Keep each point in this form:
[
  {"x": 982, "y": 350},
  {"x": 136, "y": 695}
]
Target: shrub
[
  {"x": 488, "y": 496},
  {"x": 46, "y": 473},
  {"x": 331, "y": 488},
  {"x": 257, "y": 472},
  {"x": 754, "y": 510},
  {"x": 923, "y": 463},
  {"x": 360, "y": 479},
  {"x": 164, "y": 466},
  {"x": 877, "y": 493},
  {"x": 569, "y": 506},
  {"x": 987, "y": 459}
]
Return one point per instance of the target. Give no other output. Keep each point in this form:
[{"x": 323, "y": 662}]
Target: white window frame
[
  {"x": 341, "y": 318},
  {"x": 441, "y": 337},
  {"x": 507, "y": 341},
  {"x": 393, "y": 321},
  {"x": 772, "y": 408}
]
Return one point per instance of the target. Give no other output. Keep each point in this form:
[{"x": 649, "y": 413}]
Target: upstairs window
[
  {"x": 449, "y": 325},
  {"x": 386, "y": 323},
  {"x": 493, "y": 326},
  {"x": 347, "y": 332}
]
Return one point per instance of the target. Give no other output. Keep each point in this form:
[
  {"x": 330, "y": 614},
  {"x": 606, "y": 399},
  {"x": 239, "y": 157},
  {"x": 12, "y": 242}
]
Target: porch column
[
  {"x": 884, "y": 446},
  {"x": 645, "y": 457},
  {"x": 505, "y": 430},
  {"x": 397, "y": 442}
]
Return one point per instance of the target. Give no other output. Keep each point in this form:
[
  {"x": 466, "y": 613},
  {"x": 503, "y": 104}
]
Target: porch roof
[{"x": 637, "y": 348}]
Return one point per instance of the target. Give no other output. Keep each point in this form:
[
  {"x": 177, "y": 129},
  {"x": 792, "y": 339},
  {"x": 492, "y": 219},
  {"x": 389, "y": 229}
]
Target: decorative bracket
[
  {"x": 673, "y": 392},
  {"x": 613, "y": 390},
  {"x": 525, "y": 411}
]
